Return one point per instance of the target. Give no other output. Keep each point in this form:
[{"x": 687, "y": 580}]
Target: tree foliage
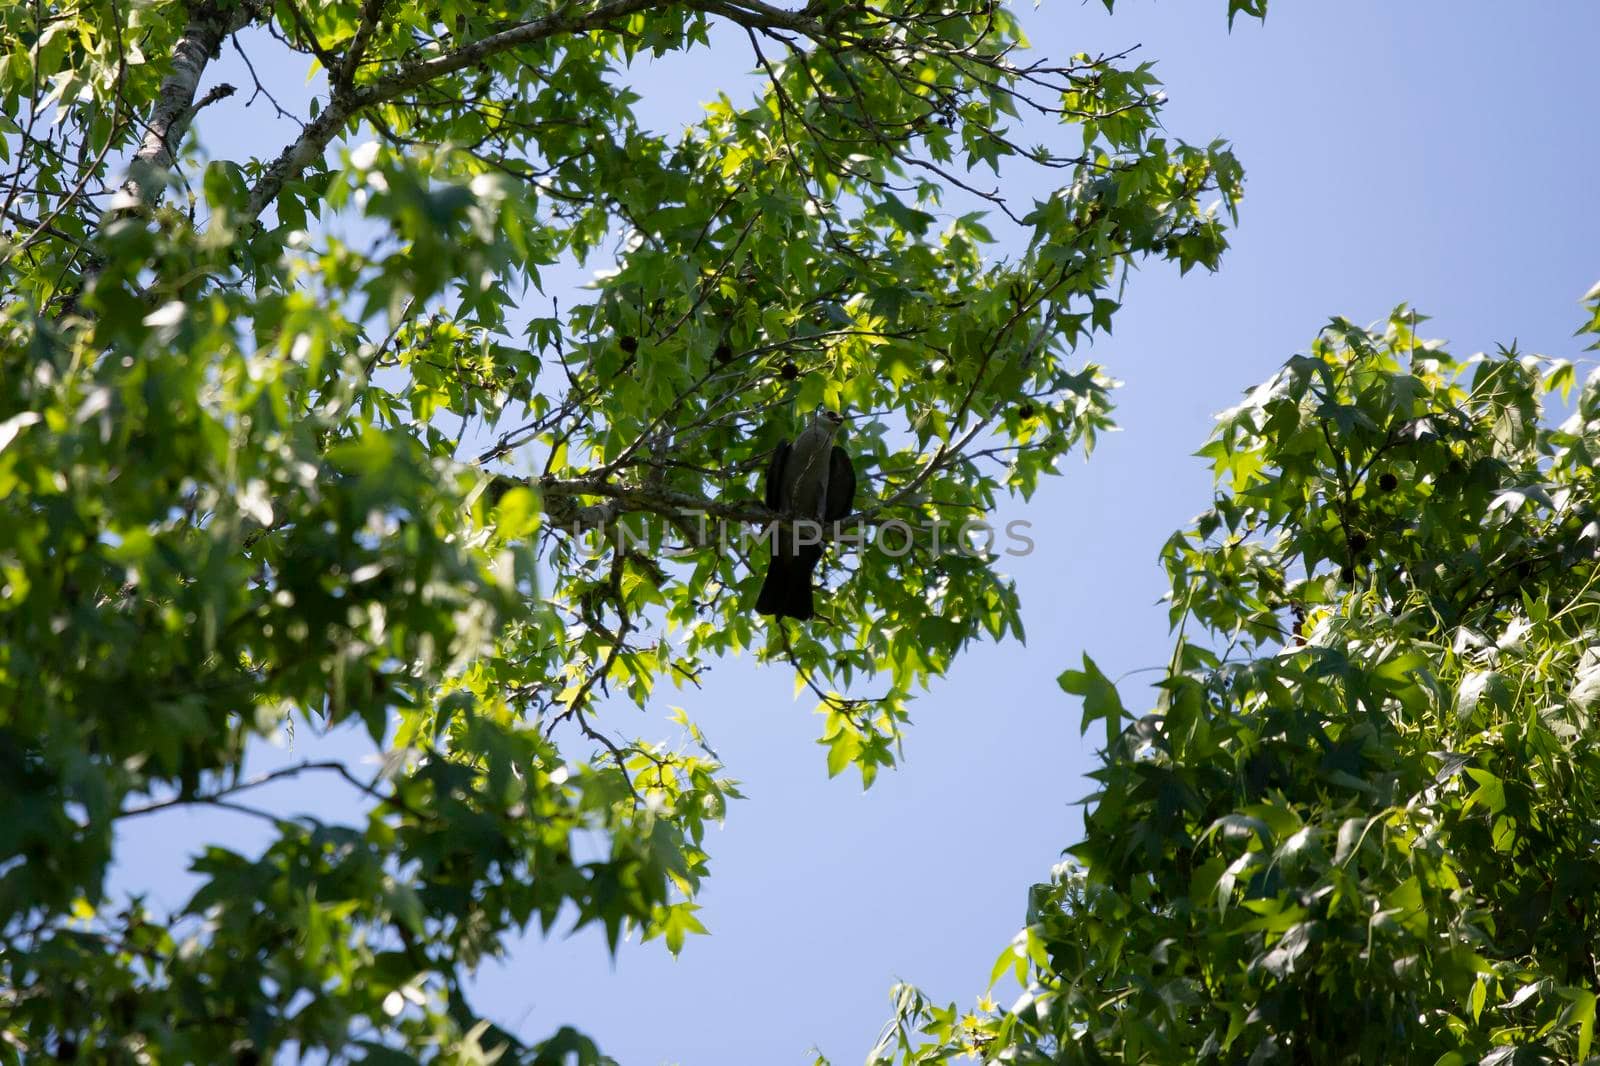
[
  {"x": 1359, "y": 825},
  {"x": 256, "y": 476}
]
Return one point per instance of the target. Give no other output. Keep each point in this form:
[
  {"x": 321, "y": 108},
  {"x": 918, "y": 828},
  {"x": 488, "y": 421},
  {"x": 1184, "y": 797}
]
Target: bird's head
[{"x": 827, "y": 419}]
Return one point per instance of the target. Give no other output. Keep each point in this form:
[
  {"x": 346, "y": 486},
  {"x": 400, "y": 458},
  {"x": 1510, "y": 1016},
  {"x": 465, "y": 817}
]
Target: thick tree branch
[
  {"x": 209, "y": 24},
  {"x": 562, "y": 503},
  {"x": 346, "y": 104},
  {"x": 753, "y": 14}
]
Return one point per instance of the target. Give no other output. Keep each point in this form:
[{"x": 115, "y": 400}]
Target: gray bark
[
  {"x": 175, "y": 106},
  {"x": 345, "y": 103}
]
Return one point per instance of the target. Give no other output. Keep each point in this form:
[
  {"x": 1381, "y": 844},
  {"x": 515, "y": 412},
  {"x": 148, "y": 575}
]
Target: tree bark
[
  {"x": 175, "y": 106},
  {"x": 347, "y": 102}
]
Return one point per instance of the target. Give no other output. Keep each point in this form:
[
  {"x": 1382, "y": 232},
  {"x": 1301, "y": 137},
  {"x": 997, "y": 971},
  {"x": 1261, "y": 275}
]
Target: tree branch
[
  {"x": 371, "y": 12},
  {"x": 344, "y": 105},
  {"x": 175, "y": 108},
  {"x": 218, "y": 798},
  {"x": 562, "y": 505}
]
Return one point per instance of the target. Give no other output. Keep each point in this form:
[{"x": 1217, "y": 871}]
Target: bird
[{"x": 809, "y": 481}]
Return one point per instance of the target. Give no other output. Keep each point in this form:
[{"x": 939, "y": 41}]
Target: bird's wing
[
  {"x": 774, "y": 486},
  {"x": 841, "y": 484}
]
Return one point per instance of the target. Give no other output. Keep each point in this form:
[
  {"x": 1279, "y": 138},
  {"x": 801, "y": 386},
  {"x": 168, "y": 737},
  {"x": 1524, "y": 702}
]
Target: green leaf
[{"x": 1100, "y": 699}]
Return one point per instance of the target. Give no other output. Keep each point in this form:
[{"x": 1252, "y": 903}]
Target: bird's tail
[{"x": 786, "y": 590}]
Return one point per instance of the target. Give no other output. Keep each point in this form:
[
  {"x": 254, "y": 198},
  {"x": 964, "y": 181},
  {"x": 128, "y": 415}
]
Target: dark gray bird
[{"x": 811, "y": 482}]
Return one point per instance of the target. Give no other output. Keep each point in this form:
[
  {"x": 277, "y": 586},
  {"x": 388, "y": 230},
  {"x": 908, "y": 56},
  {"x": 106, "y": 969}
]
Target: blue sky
[{"x": 1439, "y": 152}]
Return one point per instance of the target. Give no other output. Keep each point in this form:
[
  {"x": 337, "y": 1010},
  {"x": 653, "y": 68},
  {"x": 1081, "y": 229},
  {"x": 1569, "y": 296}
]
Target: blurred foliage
[
  {"x": 260, "y": 474},
  {"x": 1359, "y": 826}
]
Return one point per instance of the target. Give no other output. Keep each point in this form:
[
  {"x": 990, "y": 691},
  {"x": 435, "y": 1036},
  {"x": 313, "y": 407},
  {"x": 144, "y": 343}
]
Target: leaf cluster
[
  {"x": 1358, "y": 825},
  {"x": 291, "y": 443}
]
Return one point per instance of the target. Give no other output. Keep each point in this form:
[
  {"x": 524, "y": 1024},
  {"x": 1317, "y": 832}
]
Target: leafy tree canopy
[
  {"x": 1360, "y": 824},
  {"x": 255, "y": 476}
]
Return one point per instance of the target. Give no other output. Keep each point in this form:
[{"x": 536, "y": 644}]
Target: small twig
[{"x": 217, "y": 799}]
